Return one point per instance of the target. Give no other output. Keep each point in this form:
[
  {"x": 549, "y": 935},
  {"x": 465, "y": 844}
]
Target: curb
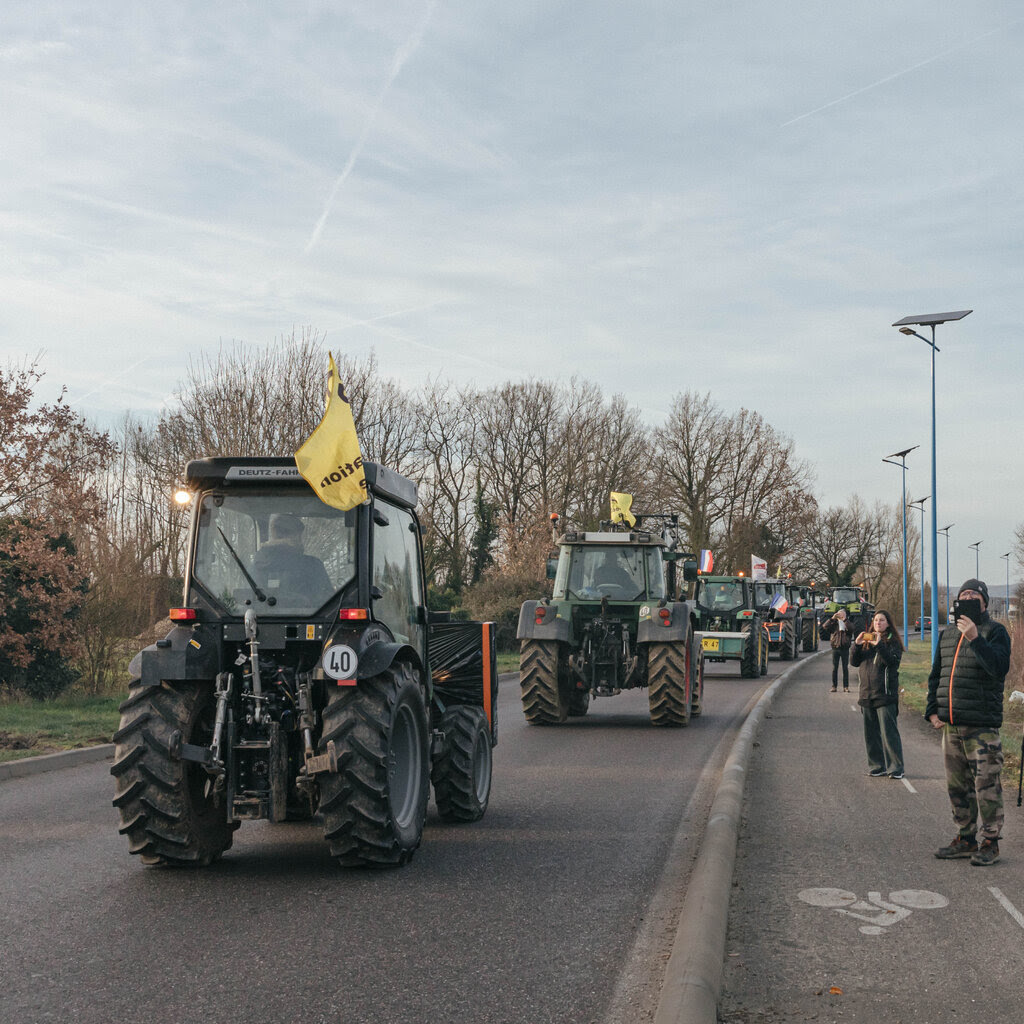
[
  {"x": 693, "y": 976},
  {"x": 53, "y": 762}
]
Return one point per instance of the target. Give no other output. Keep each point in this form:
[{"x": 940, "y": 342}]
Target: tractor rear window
[
  {"x": 619, "y": 572},
  {"x": 764, "y": 592},
  {"x": 289, "y": 547},
  {"x": 845, "y": 595},
  {"x": 720, "y": 597}
]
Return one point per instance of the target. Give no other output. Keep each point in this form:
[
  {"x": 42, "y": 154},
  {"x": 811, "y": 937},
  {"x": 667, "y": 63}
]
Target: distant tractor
[
  {"x": 731, "y": 623},
  {"x": 859, "y": 609},
  {"x": 613, "y": 623},
  {"x": 804, "y": 598},
  {"x": 781, "y": 617}
]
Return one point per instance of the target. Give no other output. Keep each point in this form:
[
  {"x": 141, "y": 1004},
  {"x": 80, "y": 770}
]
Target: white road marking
[
  {"x": 906, "y": 782},
  {"x": 878, "y": 913},
  {"x": 1007, "y": 905}
]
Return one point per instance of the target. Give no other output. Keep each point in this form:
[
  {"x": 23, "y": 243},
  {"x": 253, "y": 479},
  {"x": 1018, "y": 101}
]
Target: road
[{"x": 558, "y": 906}]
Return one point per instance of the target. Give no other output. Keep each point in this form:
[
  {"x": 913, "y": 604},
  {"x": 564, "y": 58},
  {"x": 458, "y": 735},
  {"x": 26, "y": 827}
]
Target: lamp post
[
  {"x": 930, "y": 320},
  {"x": 945, "y": 612},
  {"x": 1007, "y": 557},
  {"x": 977, "y": 564},
  {"x": 915, "y": 504},
  {"x": 902, "y": 456}
]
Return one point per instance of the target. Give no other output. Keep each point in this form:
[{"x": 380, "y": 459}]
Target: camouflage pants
[{"x": 974, "y": 763}]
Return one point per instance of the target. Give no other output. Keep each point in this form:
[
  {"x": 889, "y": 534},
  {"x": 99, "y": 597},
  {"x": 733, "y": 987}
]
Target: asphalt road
[{"x": 560, "y": 905}]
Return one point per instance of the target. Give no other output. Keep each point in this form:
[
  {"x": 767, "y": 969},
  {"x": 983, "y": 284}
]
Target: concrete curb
[
  {"x": 693, "y": 976},
  {"x": 53, "y": 762}
]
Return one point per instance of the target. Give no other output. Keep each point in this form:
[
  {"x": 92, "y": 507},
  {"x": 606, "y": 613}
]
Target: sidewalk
[{"x": 839, "y": 910}]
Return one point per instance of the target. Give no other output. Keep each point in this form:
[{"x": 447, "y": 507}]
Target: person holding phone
[
  {"x": 965, "y": 701},
  {"x": 876, "y": 654},
  {"x": 837, "y": 629}
]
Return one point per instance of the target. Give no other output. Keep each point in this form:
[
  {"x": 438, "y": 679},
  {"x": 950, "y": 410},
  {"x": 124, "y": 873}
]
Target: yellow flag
[
  {"x": 330, "y": 459},
  {"x": 620, "y": 508}
]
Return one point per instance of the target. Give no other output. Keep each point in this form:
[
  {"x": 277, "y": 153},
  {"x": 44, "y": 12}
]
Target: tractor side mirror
[
  {"x": 690, "y": 570},
  {"x": 552, "y": 568}
]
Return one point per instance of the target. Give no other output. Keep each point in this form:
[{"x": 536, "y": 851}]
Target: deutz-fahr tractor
[
  {"x": 731, "y": 624},
  {"x": 612, "y": 624},
  {"x": 859, "y": 609},
  {"x": 303, "y": 677}
]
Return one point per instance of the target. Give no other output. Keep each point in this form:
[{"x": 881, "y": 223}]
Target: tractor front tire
[
  {"x": 169, "y": 809},
  {"x": 373, "y": 808},
  {"x": 669, "y": 683},
  {"x": 462, "y": 773},
  {"x": 544, "y": 701}
]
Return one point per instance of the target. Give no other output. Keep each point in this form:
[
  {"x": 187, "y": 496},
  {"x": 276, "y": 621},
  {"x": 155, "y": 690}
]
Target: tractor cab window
[
  {"x": 619, "y": 572},
  {"x": 396, "y": 574},
  {"x": 764, "y": 593},
  {"x": 721, "y": 598},
  {"x": 283, "y": 553},
  {"x": 845, "y": 595}
]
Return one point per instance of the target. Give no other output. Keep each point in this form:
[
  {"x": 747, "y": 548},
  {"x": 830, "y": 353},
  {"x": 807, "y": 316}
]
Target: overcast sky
[{"x": 656, "y": 196}]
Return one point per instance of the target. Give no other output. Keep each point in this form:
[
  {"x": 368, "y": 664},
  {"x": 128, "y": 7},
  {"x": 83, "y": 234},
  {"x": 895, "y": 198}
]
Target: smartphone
[{"x": 969, "y": 606}]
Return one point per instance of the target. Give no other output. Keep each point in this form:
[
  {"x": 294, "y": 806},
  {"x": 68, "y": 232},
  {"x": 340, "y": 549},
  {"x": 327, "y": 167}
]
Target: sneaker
[
  {"x": 896, "y": 775},
  {"x": 833, "y": 689},
  {"x": 960, "y": 847},
  {"x": 877, "y": 773},
  {"x": 988, "y": 853},
  {"x": 846, "y": 689}
]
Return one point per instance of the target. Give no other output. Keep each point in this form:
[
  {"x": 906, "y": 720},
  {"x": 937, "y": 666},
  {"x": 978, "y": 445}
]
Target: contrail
[
  {"x": 899, "y": 74},
  {"x": 402, "y": 54}
]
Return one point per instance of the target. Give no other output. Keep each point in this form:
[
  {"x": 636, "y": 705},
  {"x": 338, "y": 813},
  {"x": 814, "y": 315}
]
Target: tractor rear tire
[
  {"x": 810, "y": 635},
  {"x": 697, "y": 694},
  {"x": 168, "y": 807},
  {"x": 462, "y": 773},
  {"x": 669, "y": 682},
  {"x": 544, "y": 701},
  {"x": 764, "y": 651},
  {"x": 579, "y": 703},
  {"x": 750, "y": 659},
  {"x": 373, "y": 808},
  {"x": 786, "y": 647}
]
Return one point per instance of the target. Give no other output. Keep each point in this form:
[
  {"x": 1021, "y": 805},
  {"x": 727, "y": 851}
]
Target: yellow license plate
[{"x": 709, "y": 643}]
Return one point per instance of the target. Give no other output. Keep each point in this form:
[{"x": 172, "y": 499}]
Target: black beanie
[{"x": 974, "y": 585}]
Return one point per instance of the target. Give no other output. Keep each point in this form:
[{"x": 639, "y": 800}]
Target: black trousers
[{"x": 841, "y": 654}]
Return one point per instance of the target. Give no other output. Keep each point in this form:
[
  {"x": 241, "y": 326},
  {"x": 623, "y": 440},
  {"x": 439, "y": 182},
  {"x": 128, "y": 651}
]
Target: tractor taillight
[
  {"x": 352, "y": 614},
  {"x": 666, "y": 617},
  {"x": 182, "y": 615}
]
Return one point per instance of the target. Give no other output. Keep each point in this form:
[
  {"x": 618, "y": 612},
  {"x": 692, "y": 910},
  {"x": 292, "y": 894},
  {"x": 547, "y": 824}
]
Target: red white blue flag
[
  {"x": 780, "y": 604},
  {"x": 707, "y": 560}
]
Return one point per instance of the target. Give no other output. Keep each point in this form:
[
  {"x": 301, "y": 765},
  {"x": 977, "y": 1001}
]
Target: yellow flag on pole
[
  {"x": 620, "y": 508},
  {"x": 330, "y": 459}
]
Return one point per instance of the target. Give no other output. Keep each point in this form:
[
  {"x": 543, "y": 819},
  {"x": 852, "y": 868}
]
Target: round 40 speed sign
[{"x": 340, "y": 662}]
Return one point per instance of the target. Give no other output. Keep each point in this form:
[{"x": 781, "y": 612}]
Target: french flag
[
  {"x": 780, "y": 604},
  {"x": 707, "y": 560}
]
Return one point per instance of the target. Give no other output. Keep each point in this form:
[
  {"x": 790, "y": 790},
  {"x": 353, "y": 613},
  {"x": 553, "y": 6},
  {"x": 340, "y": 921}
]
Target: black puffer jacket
[
  {"x": 879, "y": 671},
  {"x": 966, "y": 682}
]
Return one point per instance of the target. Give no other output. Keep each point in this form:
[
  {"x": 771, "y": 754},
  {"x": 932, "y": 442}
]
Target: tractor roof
[
  {"x": 633, "y": 537},
  {"x": 239, "y": 473}
]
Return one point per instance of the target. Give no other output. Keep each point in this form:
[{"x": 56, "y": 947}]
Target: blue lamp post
[
  {"x": 1007, "y": 557},
  {"x": 930, "y": 320},
  {"x": 977, "y": 560},
  {"x": 902, "y": 456},
  {"x": 945, "y": 612},
  {"x": 920, "y": 504}
]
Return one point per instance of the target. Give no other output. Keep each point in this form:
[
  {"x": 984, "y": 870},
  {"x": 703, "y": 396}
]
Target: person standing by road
[
  {"x": 876, "y": 655},
  {"x": 837, "y": 629},
  {"x": 965, "y": 701}
]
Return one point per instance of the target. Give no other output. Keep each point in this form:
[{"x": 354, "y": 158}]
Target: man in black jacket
[{"x": 965, "y": 701}]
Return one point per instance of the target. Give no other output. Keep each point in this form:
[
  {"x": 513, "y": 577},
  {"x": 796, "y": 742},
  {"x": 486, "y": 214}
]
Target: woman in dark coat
[{"x": 876, "y": 655}]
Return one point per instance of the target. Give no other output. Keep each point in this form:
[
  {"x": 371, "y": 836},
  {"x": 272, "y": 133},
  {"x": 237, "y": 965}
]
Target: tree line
[{"x": 92, "y": 545}]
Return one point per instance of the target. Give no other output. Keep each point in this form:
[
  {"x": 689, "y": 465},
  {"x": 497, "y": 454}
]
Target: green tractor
[
  {"x": 859, "y": 609},
  {"x": 781, "y": 617},
  {"x": 807, "y": 618},
  {"x": 613, "y": 623},
  {"x": 731, "y": 623}
]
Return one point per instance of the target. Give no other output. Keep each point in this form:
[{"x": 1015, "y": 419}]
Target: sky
[{"x": 657, "y": 197}]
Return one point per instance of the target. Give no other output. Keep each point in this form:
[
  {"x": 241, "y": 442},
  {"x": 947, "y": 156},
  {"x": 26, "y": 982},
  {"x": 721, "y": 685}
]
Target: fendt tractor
[
  {"x": 613, "y": 623},
  {"x": 303, "y": 677},
  {"x": 855, "y": 600},
  {"x": 731, "y": 624}
]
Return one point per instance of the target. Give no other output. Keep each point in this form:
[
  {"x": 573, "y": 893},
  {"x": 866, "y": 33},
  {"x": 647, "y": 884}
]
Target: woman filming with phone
[{"x": 876, "y": 654}]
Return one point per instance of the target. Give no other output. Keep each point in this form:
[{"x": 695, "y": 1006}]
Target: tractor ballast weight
[
  {"x": 303, "y": 677},
  {"x": 613, "y": 624}
]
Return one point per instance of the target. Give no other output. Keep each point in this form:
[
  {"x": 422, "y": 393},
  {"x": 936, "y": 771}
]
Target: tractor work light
[{"x": 182, "y": 497}]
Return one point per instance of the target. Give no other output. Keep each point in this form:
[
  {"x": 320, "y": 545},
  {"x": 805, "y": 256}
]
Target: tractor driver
[
  {"x": 282, "y": 565},
  {"x": 611, "y": 573}
]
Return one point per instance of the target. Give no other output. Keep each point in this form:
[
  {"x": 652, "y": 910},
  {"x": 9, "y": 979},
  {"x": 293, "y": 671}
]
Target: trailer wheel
[
  {"x": 544, "y": 701},
  {"x": 462, "y": 774},
  {"x": 669, "y": 682},
  {"x": 750, "y": 659},
  {"x": 374, "y": 806},
  {"x": 168, "y": 807}
]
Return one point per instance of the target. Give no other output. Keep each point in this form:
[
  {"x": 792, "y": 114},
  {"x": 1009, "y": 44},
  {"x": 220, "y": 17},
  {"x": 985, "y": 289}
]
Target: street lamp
[
  {"x": 902, "y": 456},
  {"x": 1007, "y": 557},
  {"x": 920, "y": 502},
  {"x": 945, "y": 530},
  {"x": 930, "y": 320},
  {"x": 977, "y": 566}
]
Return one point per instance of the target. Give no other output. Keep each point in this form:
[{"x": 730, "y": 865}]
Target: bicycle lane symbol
[{"x": 878, "y": 913}]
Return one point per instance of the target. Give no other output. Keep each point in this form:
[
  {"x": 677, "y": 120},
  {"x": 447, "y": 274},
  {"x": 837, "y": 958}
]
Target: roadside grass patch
[{"x": 29, "y": 728}]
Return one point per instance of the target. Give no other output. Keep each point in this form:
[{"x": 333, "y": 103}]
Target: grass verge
[
  {"x": 29, "y": 728},
  {"x": 914, "y": 669}
]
